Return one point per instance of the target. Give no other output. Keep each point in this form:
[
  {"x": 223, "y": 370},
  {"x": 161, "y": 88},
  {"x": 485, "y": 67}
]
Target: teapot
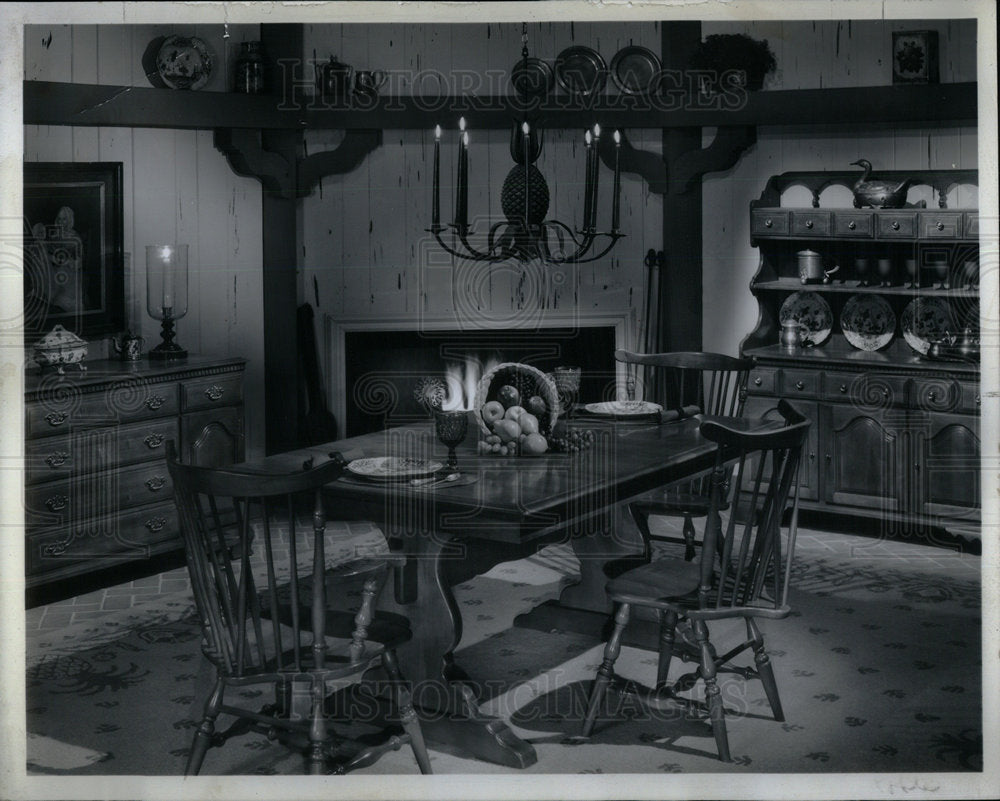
[
  {"x": 128, "y": 346},
  {"x": 334, "y": 80}
]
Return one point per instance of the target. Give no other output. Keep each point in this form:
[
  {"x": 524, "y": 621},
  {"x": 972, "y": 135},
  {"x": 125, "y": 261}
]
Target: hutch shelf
[{"x": 896, "y": 434}]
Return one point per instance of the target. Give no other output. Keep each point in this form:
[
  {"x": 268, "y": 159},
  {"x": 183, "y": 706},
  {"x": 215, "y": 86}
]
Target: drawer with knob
[
  {"x": 811, "y": 223},
  {"x": 897, "y": 225},
  {"x": 971, "y": 225},
  {"x": 853, "y": 223},
  {"x": 762, "y": 381},
  {"x": 769, "y": 221},
  {"x": 208, "y": 393},
  {"x": 130, "y": 535},
  {"x": 941, "y": 225},
  {"x": 936, "y": 394},
  {"x": 796, "y": 383},
  {"x": 865, "y": 390}
]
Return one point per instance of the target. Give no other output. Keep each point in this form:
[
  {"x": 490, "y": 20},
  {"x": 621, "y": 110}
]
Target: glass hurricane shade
[{"x": 166, "y": 281}]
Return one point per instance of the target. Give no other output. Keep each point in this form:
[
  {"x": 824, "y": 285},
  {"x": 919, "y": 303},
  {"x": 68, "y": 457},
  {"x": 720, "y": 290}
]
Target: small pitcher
[
  {"x": 128, "y": 346},
  {"x": 792, "y": 334}
]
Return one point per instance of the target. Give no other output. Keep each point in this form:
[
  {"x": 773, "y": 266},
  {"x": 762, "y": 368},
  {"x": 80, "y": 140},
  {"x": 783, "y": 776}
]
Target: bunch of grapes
[
  {"x": 571, "y": 440},
  {"x": 493, "y": 445}
]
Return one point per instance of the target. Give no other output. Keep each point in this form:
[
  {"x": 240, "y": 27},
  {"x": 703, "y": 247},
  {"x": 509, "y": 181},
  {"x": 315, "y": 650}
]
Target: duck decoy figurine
[{"x": 876, "y": 193}]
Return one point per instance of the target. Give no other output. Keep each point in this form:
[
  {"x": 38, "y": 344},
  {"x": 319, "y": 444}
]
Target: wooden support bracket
[
  {"x": 246, "y": 155},
  {"x": 348, "y": 155},
  {"x": 680, "y": 175}
]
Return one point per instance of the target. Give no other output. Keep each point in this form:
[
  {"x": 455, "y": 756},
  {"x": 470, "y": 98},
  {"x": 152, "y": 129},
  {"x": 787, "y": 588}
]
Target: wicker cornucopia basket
[{"x": 528, "y": 381}]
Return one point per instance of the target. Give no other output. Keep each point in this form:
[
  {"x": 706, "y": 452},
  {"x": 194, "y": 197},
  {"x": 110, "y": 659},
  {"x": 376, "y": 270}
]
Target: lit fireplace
[{"x": 461, "y": 382}]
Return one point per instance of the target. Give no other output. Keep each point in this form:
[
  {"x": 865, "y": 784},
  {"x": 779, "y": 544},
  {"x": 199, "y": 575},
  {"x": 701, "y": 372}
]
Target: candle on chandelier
[
  {"x": 616, "y": 197},
  {"x": 462, "y": 189},
  {"x": 525, "y": 130},
  {"x": 588, "y": 176},
  {"x": 592, "y": 220},
  {"x": 436, "y": 200}
]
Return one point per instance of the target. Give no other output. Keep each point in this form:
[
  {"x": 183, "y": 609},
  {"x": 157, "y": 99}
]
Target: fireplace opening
[{"x": 384, "y": 368}]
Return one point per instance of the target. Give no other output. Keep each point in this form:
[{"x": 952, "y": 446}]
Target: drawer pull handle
[
  {"x": 155, "y": 402},
  {"x": 57, "y": 459},
  {"x": 809, "y": 223},
  {"x": 979, "y": 401},
  {"x": 886, "y": 394},
  {"x": 799, "y": 385},
  {"x": 916, "y": 466},
  {"x": 214, "y": 392},
  {"x": 843, "y": 389},
  {"x": 156, "y": 483},
  {"x": 895, "y": 225},
  {"x": 153, "y": 440},
  {"x": 852, "y": 225},
  {"x": 768, "y": 222},
  {"x": 939, "y": 225},
  {"x": 829, "y": 458},
  {"x": 757, "y": 382},
  {"x": 812, "y": 456},
  {"x": 56, "y": 503},
  {"x": 155, "y": 524},
  {"x": 932, "y": 396},
  {"x": 56, "y": 418}
]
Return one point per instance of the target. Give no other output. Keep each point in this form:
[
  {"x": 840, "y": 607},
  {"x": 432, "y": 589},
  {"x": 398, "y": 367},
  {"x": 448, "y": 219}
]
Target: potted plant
[{"x": 724, "y": 52}]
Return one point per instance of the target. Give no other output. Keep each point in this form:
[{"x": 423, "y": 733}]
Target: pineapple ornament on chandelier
[{"x": 525, "y": 234}]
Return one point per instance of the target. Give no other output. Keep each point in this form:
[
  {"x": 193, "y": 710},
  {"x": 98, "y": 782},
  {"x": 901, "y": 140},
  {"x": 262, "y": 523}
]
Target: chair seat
[{"x": 662, "y": 580}]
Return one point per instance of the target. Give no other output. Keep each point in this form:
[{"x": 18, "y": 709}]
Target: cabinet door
[
  {"x": 946, "y": 460},
  {"x": 213, "y": 438},
  {"x": 861, "y": 457},
  {"x": 809, "y": 473}
]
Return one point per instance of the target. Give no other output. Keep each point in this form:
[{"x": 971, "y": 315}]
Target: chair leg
[
  {"x": 607, "y": 669},
  {"x": 668, "y": 624},
  {"x": 203, "y": 737},
  {"x": 764, "y": 669},
  {"x": 689, "y": 533},
  {"x": 712, "y": 695},
  {"x": 316, "y": 753},
  {"x": 407, "y": 715}
]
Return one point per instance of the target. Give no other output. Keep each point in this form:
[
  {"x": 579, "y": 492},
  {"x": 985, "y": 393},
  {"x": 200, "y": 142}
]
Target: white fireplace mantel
[{"x": 335, "y": 329}]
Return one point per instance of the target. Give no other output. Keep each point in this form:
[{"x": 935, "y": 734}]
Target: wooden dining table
[{"x": 500, "y": 508}]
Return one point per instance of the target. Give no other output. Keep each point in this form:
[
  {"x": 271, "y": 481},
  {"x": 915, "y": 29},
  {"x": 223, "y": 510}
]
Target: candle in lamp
[
  {"x": 525, "y": 130},
  {"x": 167, "y": 254},
  {"x": 616, "y": 196},
  {"x": 461, "y": 189},
  {"x": 592, "y": 221},
  {"x": 436, "y": 200},
  {"x": 588, "y": 179}
]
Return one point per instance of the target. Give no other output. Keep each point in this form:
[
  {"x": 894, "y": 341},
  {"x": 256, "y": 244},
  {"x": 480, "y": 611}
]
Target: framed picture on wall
[{"x": 73, "y": 262}]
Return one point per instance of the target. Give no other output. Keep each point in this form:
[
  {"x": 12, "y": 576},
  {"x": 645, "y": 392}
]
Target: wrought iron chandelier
[{"x": 525, "y": 234}]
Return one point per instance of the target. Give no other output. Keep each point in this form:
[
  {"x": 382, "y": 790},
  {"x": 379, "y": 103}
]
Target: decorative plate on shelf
[
  {"x": 392, "y": 468},
  {"x": 868, "y": 322},
  {"x": 810, "y": 311},
  {"x": 184, "y": 62},
  {"x": 581, "y": 71},
  {"x": 925, "y": 321},
  {"x": 624, "y": 408},
  {"x": 532, "y": 77},
  {"x": 636, "y": 70}
]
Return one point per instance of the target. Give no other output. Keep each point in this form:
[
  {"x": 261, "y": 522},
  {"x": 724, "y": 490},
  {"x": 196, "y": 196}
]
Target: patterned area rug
[{"x": 879, "y": 669}]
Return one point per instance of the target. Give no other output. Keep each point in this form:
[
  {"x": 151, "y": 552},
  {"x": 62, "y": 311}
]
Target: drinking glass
[
  {"x": 567, "y": 381},
  {"x": 451, "y": 428}
]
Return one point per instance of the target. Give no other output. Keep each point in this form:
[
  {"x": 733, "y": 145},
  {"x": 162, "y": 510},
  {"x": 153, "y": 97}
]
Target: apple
[
  {"x": 528, "y": 423},
  {"x": 492, "y": 411},
  {"x": 507, "y": 430},
  {"x": 534, "y": 445},
  {"x": 514, "y": 412},
  {"x": 508, "y": 396},
  {"x": 536, "y": 405}
]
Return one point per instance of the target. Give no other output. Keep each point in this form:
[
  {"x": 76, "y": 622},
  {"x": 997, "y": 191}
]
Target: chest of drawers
[{"x": 97, "y": 491}]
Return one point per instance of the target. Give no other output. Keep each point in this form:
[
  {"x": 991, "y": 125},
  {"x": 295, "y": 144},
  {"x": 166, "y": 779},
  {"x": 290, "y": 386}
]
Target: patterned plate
[
  {"x": 924, "y": 321},
  {"x": 868, "y": 322},
  {"x": 624, "y": 408},
  {"x": 184, "y": 62},
  {"x": 811, "y": 311},
  {"x": 393, "y": 468}
]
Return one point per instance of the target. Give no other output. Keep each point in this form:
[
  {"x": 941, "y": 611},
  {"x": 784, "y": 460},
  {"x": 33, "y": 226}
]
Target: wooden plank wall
[
  {"x": 814, "y": 55},
  {"x": 177, "y": 188},
  {"x": 363, "y": 240}
]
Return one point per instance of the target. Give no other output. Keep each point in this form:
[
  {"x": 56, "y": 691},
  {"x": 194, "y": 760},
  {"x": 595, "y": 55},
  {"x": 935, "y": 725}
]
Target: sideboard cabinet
[
  {"x": 97, "y": 490},
  {"x": 895, "y": 433}
]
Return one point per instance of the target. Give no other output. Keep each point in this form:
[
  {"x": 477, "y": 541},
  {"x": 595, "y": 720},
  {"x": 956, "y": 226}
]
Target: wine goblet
[
  {"x": 451, "y": 428},
  {"x": 567, "y": 381}
]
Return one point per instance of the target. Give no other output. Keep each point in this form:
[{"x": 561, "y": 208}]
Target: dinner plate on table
[
  {"x": 392, "y": 468},
  {"x": 624, "y": 410}
]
